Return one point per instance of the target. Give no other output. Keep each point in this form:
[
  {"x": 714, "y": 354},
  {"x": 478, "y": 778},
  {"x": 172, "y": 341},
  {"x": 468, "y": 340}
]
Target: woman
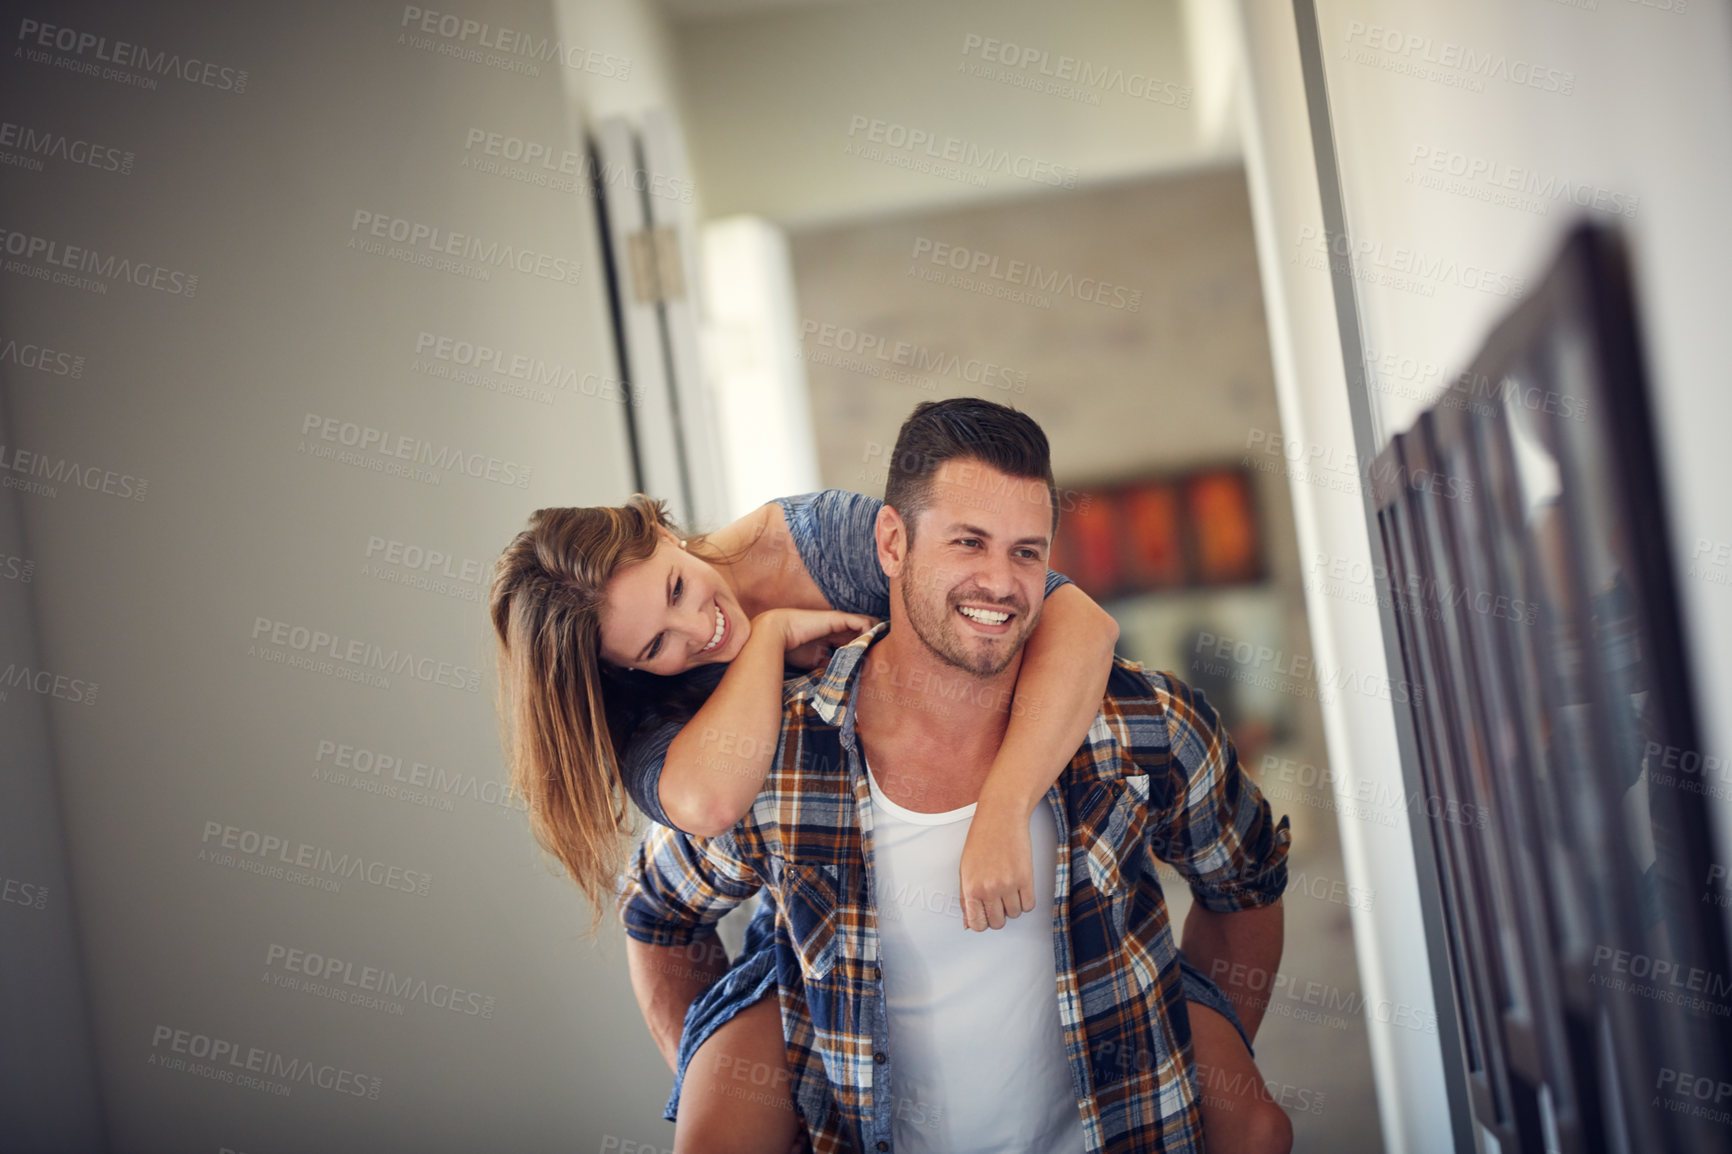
[{"x": 637, "y": 662}]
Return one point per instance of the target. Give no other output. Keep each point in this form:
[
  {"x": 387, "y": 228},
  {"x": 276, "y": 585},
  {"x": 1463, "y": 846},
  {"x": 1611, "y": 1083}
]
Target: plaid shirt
[{"x": 1156, "y": 777}]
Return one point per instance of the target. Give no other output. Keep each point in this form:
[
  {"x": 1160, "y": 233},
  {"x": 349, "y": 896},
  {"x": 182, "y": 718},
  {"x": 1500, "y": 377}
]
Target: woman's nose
[{"x": 702, "y": 622}]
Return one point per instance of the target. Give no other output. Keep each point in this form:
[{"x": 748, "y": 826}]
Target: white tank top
[{"x": 977, "y": 1053}]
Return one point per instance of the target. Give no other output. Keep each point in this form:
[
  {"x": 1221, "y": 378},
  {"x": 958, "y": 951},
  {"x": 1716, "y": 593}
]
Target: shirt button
[
  {"x": 883, "y": 1145},
  {"x": 878, "y": 972},
  {"x": 879, "y": 1057}
]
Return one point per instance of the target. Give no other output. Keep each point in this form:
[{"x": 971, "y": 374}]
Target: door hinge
[{"x": 656, "y": 272}]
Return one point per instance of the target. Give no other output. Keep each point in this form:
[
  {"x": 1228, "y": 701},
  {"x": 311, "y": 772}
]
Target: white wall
[
  {"x": 753, "y": 364},
  {"x": 629, "y": 30},
  {"x": 919, "y": 67},
  {"x": 158, "y": 598},
  {"x": 1345, "y": 634},
  {"x": 46, "y": 1061},
  {"x": 1645, "y": 121},
  {"x": 1631, "y": 114}
]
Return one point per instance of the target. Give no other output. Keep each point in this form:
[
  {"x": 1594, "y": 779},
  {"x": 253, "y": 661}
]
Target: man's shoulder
[
  {"x": 796, "y": 690},
  {"x": 1132, "y": 680},
  {"x": 808, "y": 745},
  {"x": 1147, "y": 706},
  {"x": 801, "y": 697},
  {"x": 806, "y": 794},
  {"x": 817, "y": 697},
  {"x": 1136, "y": 695}
]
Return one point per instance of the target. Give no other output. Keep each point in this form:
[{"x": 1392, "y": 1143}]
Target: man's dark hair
[{"x": 963, "y": 428}]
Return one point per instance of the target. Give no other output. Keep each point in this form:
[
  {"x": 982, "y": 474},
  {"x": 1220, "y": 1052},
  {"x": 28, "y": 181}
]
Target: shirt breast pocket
[
  {"x": 807, "y": 894},
  {"x": 1113, "y": 820}
]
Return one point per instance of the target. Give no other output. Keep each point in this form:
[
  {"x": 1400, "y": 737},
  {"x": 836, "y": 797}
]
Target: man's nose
[{"x": 998, "y": 575}]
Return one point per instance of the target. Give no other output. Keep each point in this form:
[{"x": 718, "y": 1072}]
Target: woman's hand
[
  {"x": 997, "y": 866},
  {"x": 810, "y": 636}
]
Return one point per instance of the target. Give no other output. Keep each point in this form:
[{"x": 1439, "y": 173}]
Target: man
[{"x": 1068, "y": 1030}]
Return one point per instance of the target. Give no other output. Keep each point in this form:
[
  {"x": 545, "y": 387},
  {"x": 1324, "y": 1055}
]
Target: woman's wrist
[
  {"x": 769, "y": 632},
  {"x": 1002, "y": 793}
]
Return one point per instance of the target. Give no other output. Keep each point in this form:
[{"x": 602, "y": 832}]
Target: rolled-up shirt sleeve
[
  {"x": 1217, "y": 830},
  {"x": 676, "y": 886}
]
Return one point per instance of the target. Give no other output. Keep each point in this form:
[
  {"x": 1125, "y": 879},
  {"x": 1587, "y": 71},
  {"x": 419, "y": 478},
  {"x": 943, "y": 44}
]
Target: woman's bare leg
[
  {"x": 1239, "y": 1116},
  {"x": 736, "y": 1095}
]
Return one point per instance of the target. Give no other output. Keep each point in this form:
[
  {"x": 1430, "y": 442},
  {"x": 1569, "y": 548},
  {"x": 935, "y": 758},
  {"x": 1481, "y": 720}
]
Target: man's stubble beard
[{"x": 933, "y": 624}]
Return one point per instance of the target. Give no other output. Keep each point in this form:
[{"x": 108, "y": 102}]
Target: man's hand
[{"x": 997, "y": 867}]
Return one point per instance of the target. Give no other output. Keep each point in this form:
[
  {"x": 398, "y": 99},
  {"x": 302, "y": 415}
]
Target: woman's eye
[{"x": 679, "y": 586}]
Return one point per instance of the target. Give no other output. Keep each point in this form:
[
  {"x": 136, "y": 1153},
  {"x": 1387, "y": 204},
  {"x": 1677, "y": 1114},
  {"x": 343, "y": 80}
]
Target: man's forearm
[
  {"x": 1241, "y": 951},
  {"x": 667, "y": 979}
]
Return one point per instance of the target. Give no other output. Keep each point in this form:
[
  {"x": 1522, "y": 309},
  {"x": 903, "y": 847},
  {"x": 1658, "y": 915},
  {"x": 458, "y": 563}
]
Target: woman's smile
[{"x": 722, "y": 630}]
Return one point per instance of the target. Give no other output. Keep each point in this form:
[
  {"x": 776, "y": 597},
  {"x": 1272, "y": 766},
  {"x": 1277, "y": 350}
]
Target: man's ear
[{"x": 892, "y": 539}]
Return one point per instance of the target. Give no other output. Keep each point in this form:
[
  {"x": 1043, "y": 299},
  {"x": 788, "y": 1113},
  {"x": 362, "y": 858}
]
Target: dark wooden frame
[{"x": 1530, "y": 716}]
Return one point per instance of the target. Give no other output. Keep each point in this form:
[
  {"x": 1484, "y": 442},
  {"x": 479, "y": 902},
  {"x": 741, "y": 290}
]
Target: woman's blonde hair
[{"x": 568, "y": 714}]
